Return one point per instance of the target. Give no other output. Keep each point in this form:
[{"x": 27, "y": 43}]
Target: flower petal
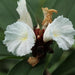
[
  {"x": 19, "y": 38},
  {"x": 62, "y": 44},
  {"x": 61, "y": 30},
  {"x": 23, "y": 12}
]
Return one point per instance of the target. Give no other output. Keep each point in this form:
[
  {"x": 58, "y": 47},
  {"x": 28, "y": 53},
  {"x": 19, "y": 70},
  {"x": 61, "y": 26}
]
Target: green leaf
[
  {"x": 56, "y": 55},
  {"x": 3, "y": 50},
  {"x": 64, "y": 7},
  {"x": 72, "y": 15},
  {"x": 32, "y": 15},
  {"x": 1, "y": 34},
  {"x": 23, "y": 68},
  {"x": 58, "y": 63},
  {"x": 8, "y": 14},
  {"x": 67, "y": 67},
  {"x": 60, "y": 5},
  {"x": 2, "y": 73},
  {"x": 36, "y": 6},
  {"x": 2, "y": 57}
]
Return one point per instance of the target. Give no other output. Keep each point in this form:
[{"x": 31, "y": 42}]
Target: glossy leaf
[
  {"x": 2, "y": 73},
  {"x": 3, "y": 50},
  {"x": 64, "y": 7},
  {"x": 8, "y": 14},
  {"x": 56, "y": 55},
  {"x": 23, "y": 68},
  {"x": 68, "y": 67}
]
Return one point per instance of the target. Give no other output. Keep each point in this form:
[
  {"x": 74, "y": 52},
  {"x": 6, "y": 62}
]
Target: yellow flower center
[
  {"x": 24, "y": 37},
  {"x": 55, "y": 34}
]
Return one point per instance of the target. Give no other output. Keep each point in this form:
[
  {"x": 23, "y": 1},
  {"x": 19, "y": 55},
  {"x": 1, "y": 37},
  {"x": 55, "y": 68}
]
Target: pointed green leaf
[
  {"x": 23, "y": 68},
  {"x": 8, "y": 13},
  {"x": 56, "y": 55},
  {"x": 3, "y": 50},
  {"x": 67, "y": 67}
]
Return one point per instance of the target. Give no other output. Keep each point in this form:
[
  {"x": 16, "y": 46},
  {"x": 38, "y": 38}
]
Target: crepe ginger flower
[
  {"x": 61, "y": 30},
  {"x": 21, "y": 38}
]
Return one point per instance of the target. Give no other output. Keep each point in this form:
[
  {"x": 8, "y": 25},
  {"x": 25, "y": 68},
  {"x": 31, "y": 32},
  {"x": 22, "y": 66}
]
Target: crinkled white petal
[
  {"x": 23, "y": 12},
  {"x": 61, "y": 30},
  {"x": 19, "y": 38}
]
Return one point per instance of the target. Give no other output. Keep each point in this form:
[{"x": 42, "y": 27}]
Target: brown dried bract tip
[
  {"x": 47, "y": 16},
  {"x": 33, "y": 61}
]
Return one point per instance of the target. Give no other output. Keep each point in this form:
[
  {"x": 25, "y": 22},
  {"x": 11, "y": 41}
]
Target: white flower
[
  {"x": 23, "y": 12},
  {"x": 61, "y": 30},
  {"x": 19, "y": 37}
]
